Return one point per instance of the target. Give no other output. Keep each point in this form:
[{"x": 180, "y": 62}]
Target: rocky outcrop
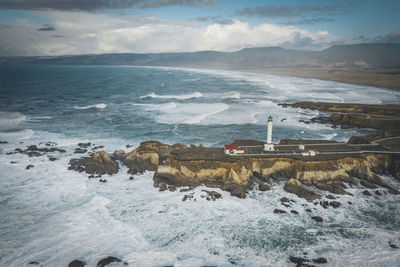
[
  {"x": 97, "y": 163},
  {"x": 230, "y": 176},
  {"x": 76, "y": 263},
  {"x": 178, "y": 165},
  {"x": 294, "y": 186},
  {"x": 107, "y": 261},
  {"x": 146, "y": 157},
  {"x": 192, "y": 167}
]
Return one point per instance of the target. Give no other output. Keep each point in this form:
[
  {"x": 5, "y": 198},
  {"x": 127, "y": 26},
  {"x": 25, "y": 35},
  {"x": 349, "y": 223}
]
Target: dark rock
[
  {"x": 393, "y": 246},
  {"x": 29, "y": 167},
  {"x": 34, "y": 263},
  {"x": 393, "y": 191},
  {"x": 263, "y": 187},
  {"x": 13, "y": 162},
  {"x": 80, "y": 150},
  {"x": 285, "y": 199},
  {"x": 85, "y": 145},
  {"x": 294, "y": 212},
  {"x": 34, "y": 151},
  {"x": 350, "y": 203},
  {"x": 187, "y": 197},
  {"x": 330, "y": 197},
  {"x": 107, "y": 261},
  {"x": 237, "y": 191},
  {"x": 163, "y": 187},
  {"x": 97, "y": 163},
  {"x": 317, "y": 218},
  {"x": 172, "y": 188},
  {"x": 3, "y": 142},
  {"x": 212, "y": 195},
  {"x": 308, "y": 210},
  {"x": 350, "y": 194},
  {"x": 128, "y": 146},
  {"x": 131, "y": 178},
  {"x": 366, "y": 192},
  {"x": 52, "y": 158},
  {"x": 103, "y": 181},
  {"x": 185, "y": 189},
  {"x": 377, "y": 192},
  {"x": 324, "y": 204},
  {"x": 278, "y": 211},
  {"x": 368, "y": 184},
  {"x": 320, "y": 260},
  {"x": 91, "y": 176},
  {"x": 286, "y": 205},
  {"x": 333, "y": 188},
  {"x": 76, "y": 263},
  {"x": 298, "y": 260},
  {"x": 48, "y": 143},
  {"x": 294, "y": 186},
  {"x": 335, "y": 204},
  {"x": 97, "y": 147}
]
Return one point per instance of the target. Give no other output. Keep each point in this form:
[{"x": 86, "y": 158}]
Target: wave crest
[
  {"x": 181, "y": 97},
  {"x": 99, "y": 106}
]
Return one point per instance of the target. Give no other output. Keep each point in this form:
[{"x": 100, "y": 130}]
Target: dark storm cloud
[
  {"x": 285, "y": 11},
  {"x": 46, "y": 28},
  {"x": 88, "y": 5},
  {"x": 158, "y": 3},
  {"x": 311, "y": 21},
  {"x": 66, "y": 4}
]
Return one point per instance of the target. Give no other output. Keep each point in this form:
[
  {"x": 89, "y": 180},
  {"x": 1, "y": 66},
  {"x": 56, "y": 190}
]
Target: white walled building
[{"x": 269, "y": 146}]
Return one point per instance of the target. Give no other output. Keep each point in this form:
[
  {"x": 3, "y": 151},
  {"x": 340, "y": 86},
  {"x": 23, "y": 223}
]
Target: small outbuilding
[{"x": 233, "y": 149}]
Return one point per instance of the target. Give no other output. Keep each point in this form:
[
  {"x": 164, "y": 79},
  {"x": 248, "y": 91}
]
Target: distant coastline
[
  {"x": 384, "y": 78},
  {"x": 375, "y": 65}
]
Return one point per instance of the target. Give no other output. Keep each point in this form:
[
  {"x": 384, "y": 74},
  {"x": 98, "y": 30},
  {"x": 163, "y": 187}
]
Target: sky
[{"x": 72, "y": 27}]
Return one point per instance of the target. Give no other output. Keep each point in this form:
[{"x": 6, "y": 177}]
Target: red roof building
[{"x": 233, "y": 149}]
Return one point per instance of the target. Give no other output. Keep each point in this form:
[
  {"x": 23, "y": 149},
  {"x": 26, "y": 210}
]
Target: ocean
[{"x": 53, "y": 216}]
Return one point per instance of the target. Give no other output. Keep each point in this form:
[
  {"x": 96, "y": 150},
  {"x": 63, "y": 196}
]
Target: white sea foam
[
  {"x": 99, "y": 106},
  {"x": 303, "y": 89},
  {"x": 11, "y": 119},
  {"x": 181, "y": 97}
]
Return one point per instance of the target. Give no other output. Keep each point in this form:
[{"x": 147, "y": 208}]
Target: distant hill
[{"x": 364, "y": 56}]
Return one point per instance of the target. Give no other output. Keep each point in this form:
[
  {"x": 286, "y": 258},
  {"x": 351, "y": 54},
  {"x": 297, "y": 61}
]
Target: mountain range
[{"x": 364, "y": 56}]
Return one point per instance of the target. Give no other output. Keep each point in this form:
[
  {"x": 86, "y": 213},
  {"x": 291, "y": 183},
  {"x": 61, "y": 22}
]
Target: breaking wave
[
  {"x": 182, "y": 97},
  {"x": 99, "y": 106}
]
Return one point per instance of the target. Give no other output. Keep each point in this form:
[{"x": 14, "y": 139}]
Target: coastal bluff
[
  {"x": 304, "y": 165},
  {"x": 179, "y": 165}
]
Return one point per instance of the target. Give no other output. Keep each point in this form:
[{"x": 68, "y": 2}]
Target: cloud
[
  {"x": 158, "y": 3},
  {"x": 214, "y": 19},
  {"x": 90, "y": 5},
  {"x": 147, "y": 34},
  {"x": 66, "y": 4},
  {"x": 310, "y": 21},
  {"x": 47, "y": 28},
  {"x": 393, "y": 37},
  {"x": 287, "y": 11}
]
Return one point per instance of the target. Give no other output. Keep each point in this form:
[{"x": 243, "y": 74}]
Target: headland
[{"x": 305, "y": 165}]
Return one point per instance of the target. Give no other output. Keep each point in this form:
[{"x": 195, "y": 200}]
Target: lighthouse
[{"x": 269, "y": 146}]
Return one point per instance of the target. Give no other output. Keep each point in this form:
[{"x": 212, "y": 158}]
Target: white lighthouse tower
[{"x": 269, "y": 146}]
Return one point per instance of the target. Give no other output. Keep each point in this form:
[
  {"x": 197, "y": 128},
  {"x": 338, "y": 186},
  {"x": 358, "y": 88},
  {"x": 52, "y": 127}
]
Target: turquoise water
[{"x": 53, "y": 215}]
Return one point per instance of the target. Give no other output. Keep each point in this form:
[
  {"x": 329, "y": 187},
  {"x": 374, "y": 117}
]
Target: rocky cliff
[
  {"x": 178, "y": 165},
  {"x": 236, "y": 176}
]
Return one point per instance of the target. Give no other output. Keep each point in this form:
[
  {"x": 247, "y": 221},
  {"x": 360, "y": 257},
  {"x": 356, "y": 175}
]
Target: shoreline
[
  {"x": 388, "y": 79},
  {"x": 373, "y": 78}
]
